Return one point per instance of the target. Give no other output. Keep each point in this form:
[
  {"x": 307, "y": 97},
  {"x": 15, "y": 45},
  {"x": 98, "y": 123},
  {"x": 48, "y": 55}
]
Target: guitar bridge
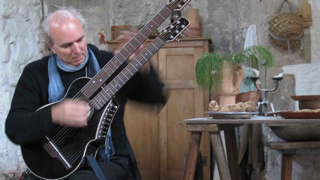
[{"x": 55, "y": 153}]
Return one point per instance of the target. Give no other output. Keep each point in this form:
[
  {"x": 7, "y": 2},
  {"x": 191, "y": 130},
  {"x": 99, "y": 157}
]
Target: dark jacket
[{"x": 25, "y": 124}]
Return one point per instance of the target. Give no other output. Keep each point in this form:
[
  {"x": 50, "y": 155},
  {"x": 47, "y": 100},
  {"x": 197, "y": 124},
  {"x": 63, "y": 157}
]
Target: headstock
[
  {"x": 178, "y": 4},
  {"x": 172, "y": 32}
]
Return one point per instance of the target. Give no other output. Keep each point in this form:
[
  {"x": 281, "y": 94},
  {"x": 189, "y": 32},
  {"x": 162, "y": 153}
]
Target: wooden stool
[
  {"x": 288, "y": 150},
  {"x": 227, "y": 168}
]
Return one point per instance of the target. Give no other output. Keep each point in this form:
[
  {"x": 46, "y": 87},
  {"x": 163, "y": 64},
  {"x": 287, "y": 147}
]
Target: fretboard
[
  {"x": 123, "y": 77},
  {"x": 104, "y": 74}
]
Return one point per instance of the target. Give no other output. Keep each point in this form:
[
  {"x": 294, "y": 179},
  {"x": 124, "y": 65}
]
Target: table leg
[
  {"x": 231, "y": 147},
  {"x": 286, "y": 169},
  {"x": 192, "y": 155},
  {"x": 220, "y": 156}
]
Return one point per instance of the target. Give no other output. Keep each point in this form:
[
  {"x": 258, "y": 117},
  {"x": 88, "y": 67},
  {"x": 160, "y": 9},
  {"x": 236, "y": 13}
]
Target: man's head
[{"x": 65, "y": 33}]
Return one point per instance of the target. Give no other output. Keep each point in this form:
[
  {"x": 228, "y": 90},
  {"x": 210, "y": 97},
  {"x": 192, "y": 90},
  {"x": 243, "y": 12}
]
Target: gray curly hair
[{"x": 64, "y": 13}]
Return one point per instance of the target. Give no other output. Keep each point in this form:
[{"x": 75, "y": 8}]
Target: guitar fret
[
  {"x": 148, "y": 51},
  {"x": 123, "y": 57},
  {"x": 132, "y": 47},
  {"x": 154, "y": 46},
  {"x": 122, "y": 81},
  {"x": 127, "y": 52},
  {"x": 147, "y": 30},
  {"x": 125, "y": 77},
  {"x": 134, "y": 67},
  {"x": 104, "y": 97},
  {"x": 95, "y": 105},
  {"x": 161, "y": 16},
  {"x": 96, "y": 100},
  {"x": 155, "y": 23},
  {"x": 144, "y": 35},
  {"x": 117, "y": 85},
  {"x": 129, "y": 72},
  {"x": 112, "y": 65},
  {"x": 106, "y": 91},
  {"x": 112, "y": 88},
  {"x": 136, "y": 41}
]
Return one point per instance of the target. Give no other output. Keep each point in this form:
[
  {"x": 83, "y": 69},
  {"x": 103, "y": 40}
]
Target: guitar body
[{"x": 62, "y": 153}]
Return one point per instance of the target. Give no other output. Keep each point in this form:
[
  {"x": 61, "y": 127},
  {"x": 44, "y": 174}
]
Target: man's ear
[{"x": 51, "y": 49}]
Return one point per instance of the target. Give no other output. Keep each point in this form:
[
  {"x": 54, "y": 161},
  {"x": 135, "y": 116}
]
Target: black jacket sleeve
[{"x": 24, "y": 124}]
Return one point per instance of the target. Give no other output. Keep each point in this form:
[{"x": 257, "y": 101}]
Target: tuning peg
[
  {"x": 190, "y": 4},
  {"x": 188, "y": 29},
  {"x": 178, "y": 22},
  {"x": 177, "y": 31},
  {"x": 182, "y": 35},
  {"x": 185, "y": 8},
  {"x": 171, "y": 26},
  {"x": 177, "y": 40}
]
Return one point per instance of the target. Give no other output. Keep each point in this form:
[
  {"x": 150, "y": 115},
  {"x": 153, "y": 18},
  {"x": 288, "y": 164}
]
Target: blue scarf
[{"x": 56, "y": 89}]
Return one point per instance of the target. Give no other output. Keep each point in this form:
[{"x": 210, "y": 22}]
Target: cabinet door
[
  {"x": 142, "y": 127},
  {"x": 186, "y": 100}
]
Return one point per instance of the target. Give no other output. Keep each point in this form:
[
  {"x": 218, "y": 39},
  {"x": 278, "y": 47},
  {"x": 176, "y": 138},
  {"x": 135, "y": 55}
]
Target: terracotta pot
[
  {"x": 253, "y": 96},
  {"x": 230, "y": 83},
  {"x": 193, "y": 17}
]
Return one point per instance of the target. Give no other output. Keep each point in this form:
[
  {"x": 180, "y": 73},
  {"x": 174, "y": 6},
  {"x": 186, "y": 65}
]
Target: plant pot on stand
[{"x": 232, "y": 77}]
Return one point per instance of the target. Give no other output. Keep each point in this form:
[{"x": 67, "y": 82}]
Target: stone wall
[
  {"x": 225, "y": 21},
  {"x": 19, "y": 26}
]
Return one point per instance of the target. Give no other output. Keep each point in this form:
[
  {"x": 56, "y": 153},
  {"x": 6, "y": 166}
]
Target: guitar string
[
  {"x": 86, "y": 87},
  {"x": 136, "y": 45},
  {"x": 79, "y": 95},
  {"x": 77, "y": 154},
  {"x": 159, "y": 14},
  {"x": 131, "y": 69},
  {"x": 77, "y": 146}
]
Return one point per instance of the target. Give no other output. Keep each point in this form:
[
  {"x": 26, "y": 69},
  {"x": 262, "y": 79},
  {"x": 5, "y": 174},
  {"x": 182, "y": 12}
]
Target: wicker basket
[{"x": 286, "y": 29}]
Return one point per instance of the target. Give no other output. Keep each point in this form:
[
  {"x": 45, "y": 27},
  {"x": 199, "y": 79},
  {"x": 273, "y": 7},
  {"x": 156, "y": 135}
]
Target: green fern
[{"x": 209, "y": 66}]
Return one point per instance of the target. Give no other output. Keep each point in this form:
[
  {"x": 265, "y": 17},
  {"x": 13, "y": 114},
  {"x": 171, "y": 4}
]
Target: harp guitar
[{"x": 60, "y": 154}]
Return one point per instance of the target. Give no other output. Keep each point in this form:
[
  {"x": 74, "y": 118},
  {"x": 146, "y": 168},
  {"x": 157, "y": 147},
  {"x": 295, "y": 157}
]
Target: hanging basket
[{"x": 286, "y": 29}]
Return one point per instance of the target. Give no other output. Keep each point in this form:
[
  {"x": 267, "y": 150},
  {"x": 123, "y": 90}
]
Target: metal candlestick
[{"x": 264, "y": 109}]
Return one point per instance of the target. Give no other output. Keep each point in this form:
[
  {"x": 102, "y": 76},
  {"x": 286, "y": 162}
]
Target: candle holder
[{"x": 263, "y": 110}]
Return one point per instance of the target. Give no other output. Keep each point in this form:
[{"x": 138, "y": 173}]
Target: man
[{"x": 46, "y": 80}]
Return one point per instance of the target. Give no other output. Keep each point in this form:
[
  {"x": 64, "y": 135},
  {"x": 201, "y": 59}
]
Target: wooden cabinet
[{"x": 158, "y": 136}]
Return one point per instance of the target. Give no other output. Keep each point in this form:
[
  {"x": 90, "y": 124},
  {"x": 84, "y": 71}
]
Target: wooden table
[{"x": 227, "y": 170}]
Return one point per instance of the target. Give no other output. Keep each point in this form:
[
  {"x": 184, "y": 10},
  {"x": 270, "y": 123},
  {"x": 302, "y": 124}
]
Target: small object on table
[
  {"x": 265, "y": 102},
  {"x": 307, "y": 101},
  {"x": 231, "y": 115}
]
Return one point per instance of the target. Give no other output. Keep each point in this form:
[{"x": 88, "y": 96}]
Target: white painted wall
[{"x": 19, "y": 24}]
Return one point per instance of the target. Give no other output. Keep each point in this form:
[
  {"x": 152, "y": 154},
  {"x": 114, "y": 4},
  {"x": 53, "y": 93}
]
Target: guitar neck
[
  {"x": 123, "y": 77},
  {"x": 104, "y": 74}
]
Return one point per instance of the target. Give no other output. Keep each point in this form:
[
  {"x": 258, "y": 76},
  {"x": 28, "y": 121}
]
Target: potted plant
[{"x": 223, "y": 75}]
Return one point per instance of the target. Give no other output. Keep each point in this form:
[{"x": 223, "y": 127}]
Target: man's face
[{"x": 69, "y": 41}]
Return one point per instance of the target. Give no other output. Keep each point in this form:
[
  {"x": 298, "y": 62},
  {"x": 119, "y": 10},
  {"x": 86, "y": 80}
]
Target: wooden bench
[{"x": 288, "y": 150}]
